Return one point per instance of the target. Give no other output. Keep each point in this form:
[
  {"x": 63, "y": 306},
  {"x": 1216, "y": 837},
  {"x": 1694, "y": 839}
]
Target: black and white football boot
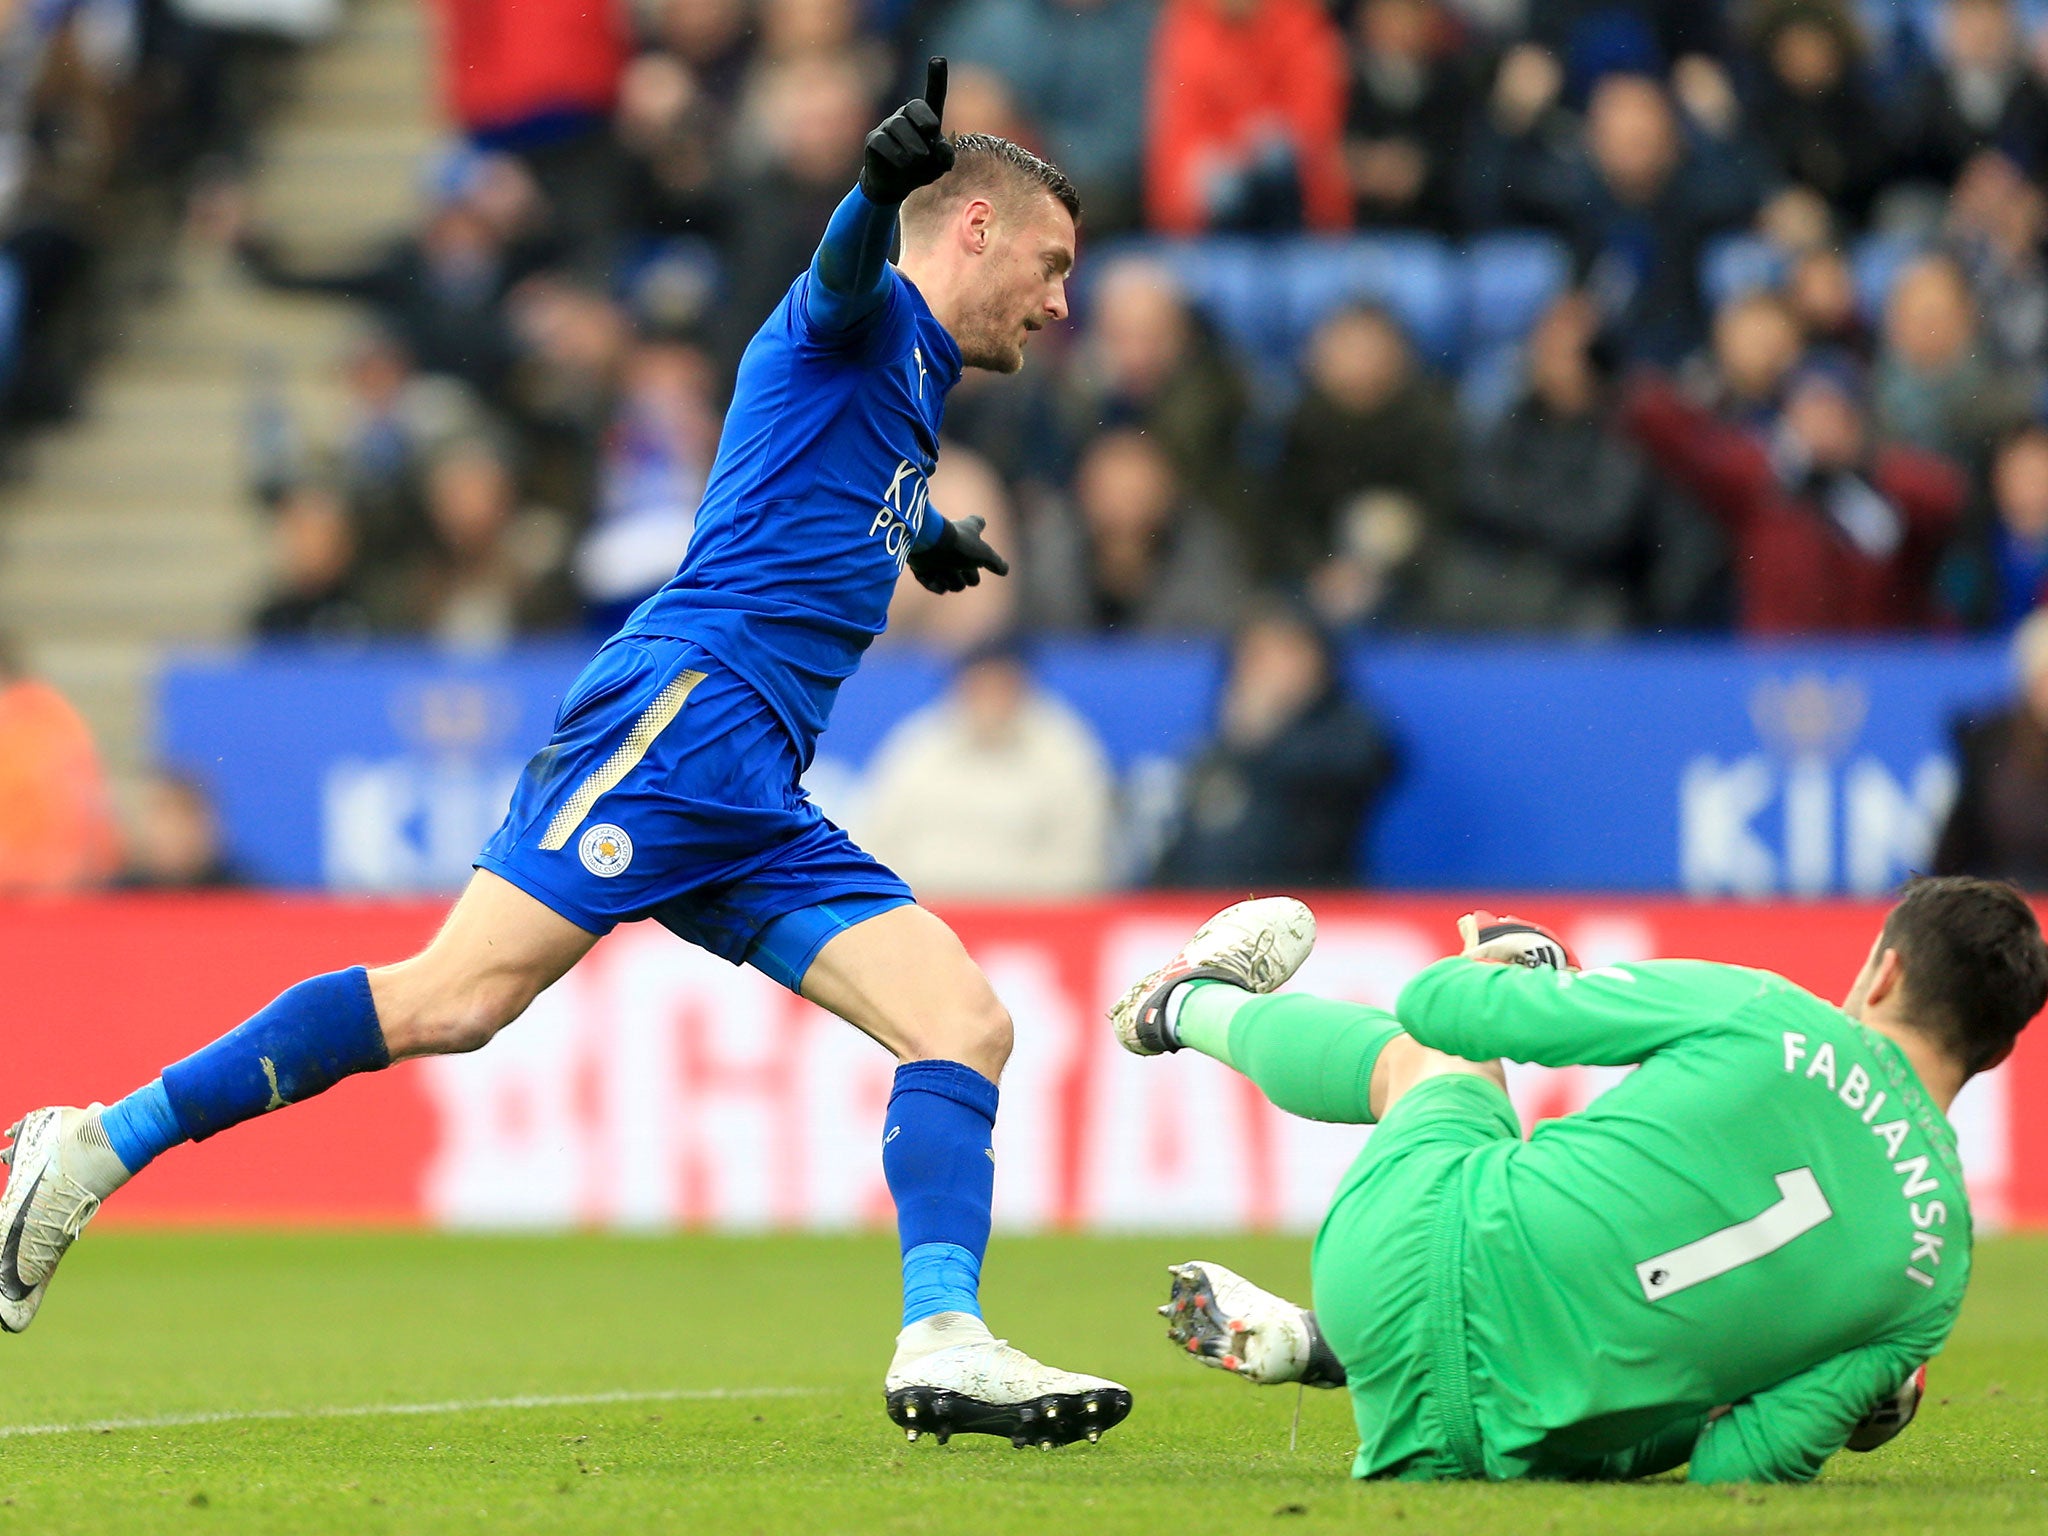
[
  {"x": 951, "y": 1377},
  {"x": 1229, "y": 1324},
  {"x": 1257, "y": 945},
  {"x": 60, "y": 1168}
]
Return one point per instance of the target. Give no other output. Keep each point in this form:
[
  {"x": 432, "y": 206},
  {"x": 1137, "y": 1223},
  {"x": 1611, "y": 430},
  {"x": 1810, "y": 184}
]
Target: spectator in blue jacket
[
  {"x": 1279, "y": 798},
  {"x": 1638, "y": 190}
]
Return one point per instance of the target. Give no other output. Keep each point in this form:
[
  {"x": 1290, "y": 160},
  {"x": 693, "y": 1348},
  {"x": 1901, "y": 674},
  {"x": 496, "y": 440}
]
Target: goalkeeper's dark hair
[
  {"x": 985, "y": 165},
  {"x": 1975, "y": 966}
]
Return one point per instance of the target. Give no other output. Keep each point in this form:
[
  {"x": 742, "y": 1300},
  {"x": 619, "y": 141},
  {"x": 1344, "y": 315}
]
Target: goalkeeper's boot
[
  {"x": 61, "y": 1168},
  {"x": 1229, "y": 1324},
  {"x": 950, "y": 1377},
  {"x": 1256, "y": 945}
]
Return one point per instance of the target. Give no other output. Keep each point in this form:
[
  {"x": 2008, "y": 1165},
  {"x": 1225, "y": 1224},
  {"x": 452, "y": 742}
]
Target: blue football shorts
[{"x": 670, "y": 790}]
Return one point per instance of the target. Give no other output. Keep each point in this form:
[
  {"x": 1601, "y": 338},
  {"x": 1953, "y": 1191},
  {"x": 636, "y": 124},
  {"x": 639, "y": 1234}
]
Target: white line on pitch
[{"x": 397, "y": 1410}]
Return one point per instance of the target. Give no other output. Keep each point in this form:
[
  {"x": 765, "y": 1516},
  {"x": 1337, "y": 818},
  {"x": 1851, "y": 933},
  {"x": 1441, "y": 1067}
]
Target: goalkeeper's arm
[
  {"x": 1612, "y": 1016},
  {"x": 1786, "y": 1434}
]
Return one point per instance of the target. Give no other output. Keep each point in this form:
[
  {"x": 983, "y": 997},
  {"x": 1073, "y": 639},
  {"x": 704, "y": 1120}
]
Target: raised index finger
[{"x": 935, "y": 87}]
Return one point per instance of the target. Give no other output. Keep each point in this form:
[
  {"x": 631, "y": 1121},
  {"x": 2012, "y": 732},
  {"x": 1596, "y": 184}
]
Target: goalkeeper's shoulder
[{"x": 1708, "y": 997}]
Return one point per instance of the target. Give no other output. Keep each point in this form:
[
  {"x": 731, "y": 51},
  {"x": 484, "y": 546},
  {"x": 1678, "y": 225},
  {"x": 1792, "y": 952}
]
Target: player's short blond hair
[{"x": 998, "y": 169}]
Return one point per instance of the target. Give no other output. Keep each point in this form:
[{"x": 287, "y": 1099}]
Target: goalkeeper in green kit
[{"x": 1740, "y": 1257}]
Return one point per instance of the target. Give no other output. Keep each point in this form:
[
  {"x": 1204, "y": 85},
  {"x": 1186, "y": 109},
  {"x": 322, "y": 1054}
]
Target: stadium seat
[
  {"x": 1510, "y": 279},
  {"x": 1877, "y": 261},
  {"x": 1466, "y": 311},
  {"x": 1489, "y": 383},
  {"x": 1732, "y": 265},
  {"x": 12, "y": 296},
  {"x": 1415, "y": 277},
  {"x": 1923, "y": 18},
  {"x": 1230, "y": 279},
  {"x": 1893, "y": 24}
]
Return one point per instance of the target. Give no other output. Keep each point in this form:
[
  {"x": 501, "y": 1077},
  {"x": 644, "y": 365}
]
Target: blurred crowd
[
  {"x": 1760, "y": 289},
  {"x": 1778, "y": 366},
  {"x": 112, "y": 113},
  {"x": 1771, "y": 358}
]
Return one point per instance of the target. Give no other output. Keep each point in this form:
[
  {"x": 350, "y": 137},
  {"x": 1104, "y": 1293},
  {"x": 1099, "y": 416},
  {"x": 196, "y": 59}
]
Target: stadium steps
[{"x": 131, "y": 532}]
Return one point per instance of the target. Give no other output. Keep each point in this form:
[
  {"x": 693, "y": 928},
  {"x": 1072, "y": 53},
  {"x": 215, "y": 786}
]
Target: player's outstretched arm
[
  {"x": 1611, "y": 1016},
  {"x": 849, "y": 275},
  {"x": 1786, "y": 1434}
]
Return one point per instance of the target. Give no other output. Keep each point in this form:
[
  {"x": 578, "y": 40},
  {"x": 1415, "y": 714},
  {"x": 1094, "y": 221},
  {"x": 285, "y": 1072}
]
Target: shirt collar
[{"x": 945, "y": 354}]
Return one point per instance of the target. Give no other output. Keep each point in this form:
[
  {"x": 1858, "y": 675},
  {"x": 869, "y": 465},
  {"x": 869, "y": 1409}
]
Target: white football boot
[
  {"x": 1257, "y": 945},
  {"x": 951, "y": 1377},
  {"x": 62, "y": 1167},
  {"x": 1229, "y": 1324}
]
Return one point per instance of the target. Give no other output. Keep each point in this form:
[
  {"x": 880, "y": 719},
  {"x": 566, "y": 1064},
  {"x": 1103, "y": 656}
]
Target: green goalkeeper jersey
[{"x": 1769, "y": 1212}]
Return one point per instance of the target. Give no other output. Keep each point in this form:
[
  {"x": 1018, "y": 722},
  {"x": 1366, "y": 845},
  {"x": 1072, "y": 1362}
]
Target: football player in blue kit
[{"x": 671, "y": 787}]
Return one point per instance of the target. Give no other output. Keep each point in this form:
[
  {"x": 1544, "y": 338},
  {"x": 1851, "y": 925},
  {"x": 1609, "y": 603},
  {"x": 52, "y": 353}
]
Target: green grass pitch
[{"x": 760, "y": 1362}]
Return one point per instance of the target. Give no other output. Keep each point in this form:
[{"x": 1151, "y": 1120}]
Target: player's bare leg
[
  {"x": 496, "y": 952},
  {"x": 904, "y": 977},
  {"x": 1405, "y": 1063}
]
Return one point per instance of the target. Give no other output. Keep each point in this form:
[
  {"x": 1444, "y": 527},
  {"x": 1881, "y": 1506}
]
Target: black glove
[
  {"x": 957, "y": 558},
  {"x": 909, "y": 151}
]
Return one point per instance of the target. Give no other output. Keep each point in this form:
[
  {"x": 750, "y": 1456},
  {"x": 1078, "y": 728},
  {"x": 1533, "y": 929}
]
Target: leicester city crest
[{"x": 605, "y": 850}]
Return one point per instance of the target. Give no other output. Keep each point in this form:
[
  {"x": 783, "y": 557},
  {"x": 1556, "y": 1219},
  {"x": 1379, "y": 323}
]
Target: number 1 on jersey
[{"x": 1801, "y": 1207}]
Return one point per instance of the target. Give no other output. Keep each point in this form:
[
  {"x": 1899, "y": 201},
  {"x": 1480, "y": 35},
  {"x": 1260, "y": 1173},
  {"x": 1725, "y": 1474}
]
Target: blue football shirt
[{"x": 817, "y": 496}]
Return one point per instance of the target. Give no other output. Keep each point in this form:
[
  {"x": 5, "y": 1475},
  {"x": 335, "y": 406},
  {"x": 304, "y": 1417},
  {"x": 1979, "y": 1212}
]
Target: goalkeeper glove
[
  {"x": 1513, "y": 941},
  {"x": 909, "y": 150},
  {"x": 1884, "y": 1422},
  {"x": 956, "y": 558}
]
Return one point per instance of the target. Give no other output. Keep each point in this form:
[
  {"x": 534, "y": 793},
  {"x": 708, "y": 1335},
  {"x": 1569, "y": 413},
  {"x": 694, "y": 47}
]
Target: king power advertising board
[
  {"x": 1710, "y": 768},
  {"x": 657, "y": 1087}
]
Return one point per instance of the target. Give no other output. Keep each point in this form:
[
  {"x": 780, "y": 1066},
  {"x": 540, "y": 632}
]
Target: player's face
[{"x": 1023, "y": 287}]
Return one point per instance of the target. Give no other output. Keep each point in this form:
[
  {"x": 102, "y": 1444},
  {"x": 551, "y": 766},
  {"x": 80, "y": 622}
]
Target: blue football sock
[
  {"x": 940, "y": 1277},
  {"x": 141, "y": 1126},
  {"x": 308, "y": 1039},
  {"x": 937, "y": 1157}
]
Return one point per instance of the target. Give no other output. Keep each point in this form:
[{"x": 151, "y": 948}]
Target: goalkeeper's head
[{"x": 1961, "y": 962}]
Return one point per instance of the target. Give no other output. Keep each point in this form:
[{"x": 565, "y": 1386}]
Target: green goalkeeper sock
[
  {"x": 1312, "y": 1057},
  {"x": 1202, "y": 1018}
]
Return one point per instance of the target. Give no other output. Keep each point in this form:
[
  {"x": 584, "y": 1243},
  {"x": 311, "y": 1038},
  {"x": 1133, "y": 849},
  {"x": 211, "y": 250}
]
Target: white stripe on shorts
[{"x": 653, "y": 720}]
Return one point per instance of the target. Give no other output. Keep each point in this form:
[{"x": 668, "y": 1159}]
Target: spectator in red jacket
[
  {"x": 509, "y": 65},
  {"x": 1246, "y": 118},
  {"x": 1831, "y": 532},
  {"x": 539, "y": 79}
]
